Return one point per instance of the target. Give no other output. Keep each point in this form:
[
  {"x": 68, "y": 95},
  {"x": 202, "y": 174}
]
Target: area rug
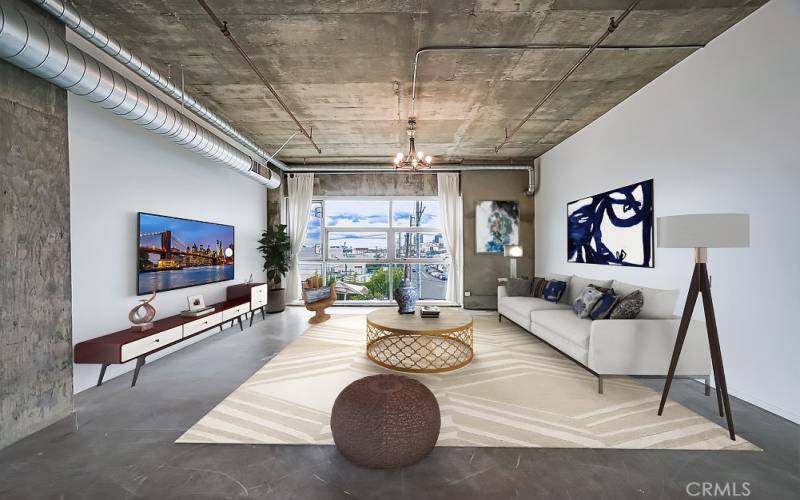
[{"x": 517, "y": 392}]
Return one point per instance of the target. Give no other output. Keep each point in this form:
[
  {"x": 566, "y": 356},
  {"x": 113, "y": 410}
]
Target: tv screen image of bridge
[{"x": 182, "y": 253}]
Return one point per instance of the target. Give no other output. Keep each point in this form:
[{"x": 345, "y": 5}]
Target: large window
[{"x": 366, "y": 246}]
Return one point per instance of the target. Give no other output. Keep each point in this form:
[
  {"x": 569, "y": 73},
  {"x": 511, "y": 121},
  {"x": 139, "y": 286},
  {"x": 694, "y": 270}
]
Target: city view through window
[{"x": 366, "y": 246}]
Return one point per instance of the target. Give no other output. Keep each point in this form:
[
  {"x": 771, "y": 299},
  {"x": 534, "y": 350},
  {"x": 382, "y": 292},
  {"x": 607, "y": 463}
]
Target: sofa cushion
[
  {"x": 554, "y": 290},
  {"x": 629, "y": 306},
  {"x": 586, "y": 301},
  {"x": 516, "y": 287},
  {"x": 564, "y": 323},
  {"x": 603, "y": 307},
  {"x": 658, "y": 304},
  {"x": 317, "y": 294},
  {"x": 525, "y": 305},
  {"x": 577, "y": 285},
  {"x": 537, "y": 289}
]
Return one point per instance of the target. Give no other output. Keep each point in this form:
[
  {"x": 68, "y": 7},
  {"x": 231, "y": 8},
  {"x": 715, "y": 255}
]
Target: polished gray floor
[{"x": 123, "y": 448}]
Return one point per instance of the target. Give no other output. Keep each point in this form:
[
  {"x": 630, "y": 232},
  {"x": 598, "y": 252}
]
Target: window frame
[{"x": 391, "y": 260}]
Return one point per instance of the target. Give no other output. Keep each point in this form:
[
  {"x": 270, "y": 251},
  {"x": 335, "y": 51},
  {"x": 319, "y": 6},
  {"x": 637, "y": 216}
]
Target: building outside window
[{"x": 366, "y": 246}]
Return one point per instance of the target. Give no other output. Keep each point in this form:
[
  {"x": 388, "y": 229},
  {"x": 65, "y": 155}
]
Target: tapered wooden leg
[
  {"x": 139, "y": 365},
  {"x": 716, "y": 351},
  {"x": 241, "y": 326},
  {"x": 499, "y": 318},
  {"x": 102, "y": 374},
  {"x": 252, "y": 315},
  {"x": 688, "y": 309}
]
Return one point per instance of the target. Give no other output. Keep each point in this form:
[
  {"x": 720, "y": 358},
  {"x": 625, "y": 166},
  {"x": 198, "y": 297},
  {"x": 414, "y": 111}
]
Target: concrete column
[{"x": 35, "y": 292}]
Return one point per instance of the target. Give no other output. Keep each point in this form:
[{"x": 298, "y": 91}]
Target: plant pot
[{"x": 276, "y": 300}]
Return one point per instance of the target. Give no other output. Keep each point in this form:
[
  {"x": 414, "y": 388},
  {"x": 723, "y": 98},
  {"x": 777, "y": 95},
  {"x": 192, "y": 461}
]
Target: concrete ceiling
[{"x": 338, "y": 63}]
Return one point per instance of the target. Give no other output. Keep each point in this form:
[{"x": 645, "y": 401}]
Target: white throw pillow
[
  {"x": 577, "y": 285},
  {"x": 658, "y": 304}
]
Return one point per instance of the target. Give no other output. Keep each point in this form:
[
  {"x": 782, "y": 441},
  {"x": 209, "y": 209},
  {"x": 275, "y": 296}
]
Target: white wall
[
  {"x": 719, "y": 132},
  {"x": 116, "y": 170}
]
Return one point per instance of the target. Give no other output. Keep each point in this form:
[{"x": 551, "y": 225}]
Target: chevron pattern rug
[{"x": 517, "y": 392}]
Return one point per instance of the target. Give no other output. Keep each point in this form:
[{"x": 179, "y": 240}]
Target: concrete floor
[{"x": 123, "y": 447}]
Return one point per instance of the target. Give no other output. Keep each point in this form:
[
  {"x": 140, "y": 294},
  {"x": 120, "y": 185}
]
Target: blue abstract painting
[
  {"x": 496, "y": 225},
  {"x": 612, "y": 228}
]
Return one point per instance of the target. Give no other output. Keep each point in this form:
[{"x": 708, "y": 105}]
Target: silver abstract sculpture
[{"x": 142, "y": 315}]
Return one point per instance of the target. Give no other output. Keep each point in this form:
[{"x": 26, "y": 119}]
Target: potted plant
[{"x": 276, "y": 249}]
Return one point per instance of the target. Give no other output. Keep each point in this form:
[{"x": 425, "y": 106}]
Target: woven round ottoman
[{"x": 385, "y": 421}]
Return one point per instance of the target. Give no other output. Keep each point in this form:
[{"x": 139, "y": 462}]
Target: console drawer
[
  {"x": 258, "y": 296},
  {"x": 143, "y": 346},
  {"x": 235, "y": 312},
  {"x": 201, "y": 324}
]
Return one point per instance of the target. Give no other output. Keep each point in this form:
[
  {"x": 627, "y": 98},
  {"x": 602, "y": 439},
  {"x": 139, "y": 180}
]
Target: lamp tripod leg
[
  {"x": 716, "y": 351},
  {"x": 691, "y": 300}
]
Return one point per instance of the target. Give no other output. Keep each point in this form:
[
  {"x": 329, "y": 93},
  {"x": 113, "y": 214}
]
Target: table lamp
[
  {"x": 513, "y": 251},
  {"x": 701, "y": 232}
]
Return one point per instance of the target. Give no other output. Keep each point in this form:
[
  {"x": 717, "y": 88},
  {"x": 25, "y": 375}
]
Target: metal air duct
[
  {"x": 71, "y": 18},
  {"x": 26, "y": 44}
]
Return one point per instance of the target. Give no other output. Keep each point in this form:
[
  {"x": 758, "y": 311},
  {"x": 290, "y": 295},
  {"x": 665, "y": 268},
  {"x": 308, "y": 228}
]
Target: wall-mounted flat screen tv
[{"x": 178, "y": 253}]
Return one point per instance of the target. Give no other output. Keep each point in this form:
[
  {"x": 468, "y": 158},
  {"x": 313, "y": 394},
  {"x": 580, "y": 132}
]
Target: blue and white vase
[{"x": 406, "y": 295}]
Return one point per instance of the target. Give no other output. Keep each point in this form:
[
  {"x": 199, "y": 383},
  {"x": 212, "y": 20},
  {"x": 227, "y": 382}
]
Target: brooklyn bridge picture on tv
[
  {"x": 612, "y": 228},
  {"x": 179, "y": 253}
]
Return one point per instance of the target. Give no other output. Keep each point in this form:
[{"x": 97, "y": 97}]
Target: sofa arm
[
  {"x": 644, "y": 347},
  {"x": 501, "y": 292}
]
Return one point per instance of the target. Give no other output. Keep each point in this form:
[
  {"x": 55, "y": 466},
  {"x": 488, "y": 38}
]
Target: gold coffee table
[{"x": 409, "y": 343}]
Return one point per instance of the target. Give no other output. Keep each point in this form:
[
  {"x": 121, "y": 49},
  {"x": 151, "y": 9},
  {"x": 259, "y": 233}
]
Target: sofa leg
[
  {"x": 499, "y": 318},
  {"x": 708, "y": 385},
  {"x": 599, "y": 384}
]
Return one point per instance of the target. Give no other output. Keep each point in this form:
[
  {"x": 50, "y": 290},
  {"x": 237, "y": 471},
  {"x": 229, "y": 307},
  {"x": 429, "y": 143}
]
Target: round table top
[{"x": 449, "y": 319}]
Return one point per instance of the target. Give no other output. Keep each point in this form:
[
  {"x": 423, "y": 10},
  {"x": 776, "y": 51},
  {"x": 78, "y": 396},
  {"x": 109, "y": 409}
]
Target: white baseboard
[{"x": 764, "y": 405}]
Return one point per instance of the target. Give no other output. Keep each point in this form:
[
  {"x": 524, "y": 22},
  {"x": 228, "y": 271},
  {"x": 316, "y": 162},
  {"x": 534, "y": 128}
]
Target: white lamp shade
[
  {"x": 512, "y": 251},
  {"x": 704, "y": 231}
]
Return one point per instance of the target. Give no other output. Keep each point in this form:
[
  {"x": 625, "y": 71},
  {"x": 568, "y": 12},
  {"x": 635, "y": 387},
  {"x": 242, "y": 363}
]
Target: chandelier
[{"x": 414, "y": 160}]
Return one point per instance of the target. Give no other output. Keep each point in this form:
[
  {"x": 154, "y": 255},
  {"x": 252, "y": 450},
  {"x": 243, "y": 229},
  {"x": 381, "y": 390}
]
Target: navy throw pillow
[
  {"x": 554, "y": 290},
  {"x": 604, "y": 305}
]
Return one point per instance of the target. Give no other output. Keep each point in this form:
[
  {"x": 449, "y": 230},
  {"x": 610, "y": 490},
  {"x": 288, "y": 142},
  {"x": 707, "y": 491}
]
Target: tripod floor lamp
[{"x": 701, "y": 232}]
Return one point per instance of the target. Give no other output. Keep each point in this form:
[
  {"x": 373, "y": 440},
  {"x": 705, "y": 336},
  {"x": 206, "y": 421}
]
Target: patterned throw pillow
[
  {"x": 554, "y": 290},
  {"x": 629, "y": 306},
  {"x": 516, "y": 287},
  {"x": 537, "y": 290},
  {"x": 604, "y": 305},
  {"x": 586, "y": 300}
]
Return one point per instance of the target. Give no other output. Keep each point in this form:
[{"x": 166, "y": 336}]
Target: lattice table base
[{"x": 421, "y": 352}]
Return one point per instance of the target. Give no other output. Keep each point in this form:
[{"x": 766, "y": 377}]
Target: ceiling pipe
[
  {"x": 377, "y": 167},
  {"x": 612, "y": 26},
  {"x": 525, "y": 47},
  {"x": 223, "y": 27},
  {"x": 26, "y": 44},
  {"x": 71, "y": 18}
]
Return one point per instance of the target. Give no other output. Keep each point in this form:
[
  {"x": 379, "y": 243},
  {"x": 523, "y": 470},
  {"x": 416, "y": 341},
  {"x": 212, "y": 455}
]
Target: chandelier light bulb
[{"x": 412, "y": 160}]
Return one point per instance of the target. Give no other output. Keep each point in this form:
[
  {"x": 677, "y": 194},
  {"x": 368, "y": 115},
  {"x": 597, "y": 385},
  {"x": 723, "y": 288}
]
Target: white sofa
[{"x": 619, "y": 347}]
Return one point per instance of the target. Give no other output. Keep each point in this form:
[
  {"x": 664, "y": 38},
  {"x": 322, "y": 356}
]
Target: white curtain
[
  {"x": 301, "y": 190},
  {"x": 452, "y": 220}
]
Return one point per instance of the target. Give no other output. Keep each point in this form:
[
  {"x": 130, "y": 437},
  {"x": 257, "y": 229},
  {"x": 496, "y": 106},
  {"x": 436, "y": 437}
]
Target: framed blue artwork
[
  {"x": 613, "y": 228},
  {"x": 496, "y": 225}
]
